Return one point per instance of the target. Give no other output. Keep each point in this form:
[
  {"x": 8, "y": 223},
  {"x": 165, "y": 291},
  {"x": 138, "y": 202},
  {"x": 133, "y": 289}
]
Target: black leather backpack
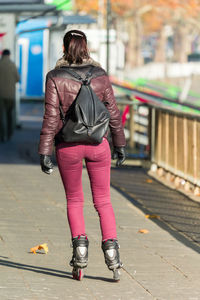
[{"x": 87, "y": 119}]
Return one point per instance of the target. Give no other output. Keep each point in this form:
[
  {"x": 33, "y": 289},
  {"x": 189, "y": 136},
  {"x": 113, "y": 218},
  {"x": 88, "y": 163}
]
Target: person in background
[
  {"x": 9, "y": 76},
  {"x": 60, "y": 84}
]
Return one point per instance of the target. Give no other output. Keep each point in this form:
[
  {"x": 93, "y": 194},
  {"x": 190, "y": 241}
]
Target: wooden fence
[{"x": 175, "y": 143}]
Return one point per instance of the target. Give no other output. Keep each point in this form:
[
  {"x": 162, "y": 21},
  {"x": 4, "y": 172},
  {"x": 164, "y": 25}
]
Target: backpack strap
[{"x": 77, "y": 76}]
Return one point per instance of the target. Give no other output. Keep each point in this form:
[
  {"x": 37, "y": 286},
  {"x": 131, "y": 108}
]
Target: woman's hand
[
  {"x": 46, "y": 164},
  {"x": 119, "y": 153}
]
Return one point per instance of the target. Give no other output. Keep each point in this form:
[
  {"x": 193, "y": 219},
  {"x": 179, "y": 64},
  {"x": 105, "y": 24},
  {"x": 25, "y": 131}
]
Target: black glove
[
  {"x": 119, "y": 153},
  {"x": 46, "y": 164}
]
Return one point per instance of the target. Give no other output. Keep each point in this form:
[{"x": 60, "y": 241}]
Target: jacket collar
[{"x": 64, "y": 63}]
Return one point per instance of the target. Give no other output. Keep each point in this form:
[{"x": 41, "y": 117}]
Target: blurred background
[{"x": 135, "y": 39}]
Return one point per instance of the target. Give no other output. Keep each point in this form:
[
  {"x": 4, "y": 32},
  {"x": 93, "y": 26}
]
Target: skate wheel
[
  {"x": 77, "y": 274},
  {"x": 116, "y": 275},
  {"x": 80, "y": 274}
]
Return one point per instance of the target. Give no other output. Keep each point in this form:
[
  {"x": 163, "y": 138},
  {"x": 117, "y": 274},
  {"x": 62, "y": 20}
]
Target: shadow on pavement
[
  {"x": 22, "y": 148},
  {"x": 23, "y": 145},
  {"x": 177, "y": 214},
  {"x": 47, "y": 271},
  {"x": 36, "y": 269}
]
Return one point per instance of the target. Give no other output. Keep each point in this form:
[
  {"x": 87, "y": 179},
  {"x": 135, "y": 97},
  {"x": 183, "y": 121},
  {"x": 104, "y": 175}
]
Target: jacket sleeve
[
  {"x": 51, "y": 118},
  {"x": 116, "y": 128},
  {"x": 17, "y": 76}
]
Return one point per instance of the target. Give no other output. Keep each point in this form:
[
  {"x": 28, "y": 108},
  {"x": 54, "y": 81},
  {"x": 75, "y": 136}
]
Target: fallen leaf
[
  {"x": 149, "y": 180},
  {"x": 143, "y": 231},
  {"x": 152, "y": 217},
  {"x": 40, "y": 247},
  {"x": 44, "y": 247},
  {"x": 34, "y": 249}
]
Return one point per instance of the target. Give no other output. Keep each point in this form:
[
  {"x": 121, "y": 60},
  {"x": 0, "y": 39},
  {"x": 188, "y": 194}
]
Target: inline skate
[
  {"x": 110, "y": 248},
  {"x": 79, "y": 259}
]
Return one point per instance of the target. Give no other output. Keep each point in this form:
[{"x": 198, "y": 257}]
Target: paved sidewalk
[{"x": 33, "y": 211}]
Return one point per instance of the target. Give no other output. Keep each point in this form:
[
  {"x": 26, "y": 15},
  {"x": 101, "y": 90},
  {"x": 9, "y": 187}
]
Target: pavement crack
[
  {"x": 139, "y": 283},
  {"x": 171, "y": 264}
]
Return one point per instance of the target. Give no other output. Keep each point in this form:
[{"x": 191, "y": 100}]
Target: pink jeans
[{"x": 97, "y": 159}]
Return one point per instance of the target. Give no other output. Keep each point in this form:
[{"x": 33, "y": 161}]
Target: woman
[{"x": 63, "y": 87}]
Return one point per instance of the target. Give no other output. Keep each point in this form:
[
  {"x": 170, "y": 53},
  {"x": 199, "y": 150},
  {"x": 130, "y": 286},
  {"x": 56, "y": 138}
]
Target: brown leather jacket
[{"x": 68, "y": 87}]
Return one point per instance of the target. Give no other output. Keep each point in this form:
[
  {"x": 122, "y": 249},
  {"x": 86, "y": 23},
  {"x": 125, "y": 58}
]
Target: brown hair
[{"x": 75, "y": 44}]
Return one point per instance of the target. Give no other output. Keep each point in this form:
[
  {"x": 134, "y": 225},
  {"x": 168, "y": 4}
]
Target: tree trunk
[
  {"x": 181, "y": 43},
  {"x": 160, "y": 51},
  {"x": 134, "y": 48}
]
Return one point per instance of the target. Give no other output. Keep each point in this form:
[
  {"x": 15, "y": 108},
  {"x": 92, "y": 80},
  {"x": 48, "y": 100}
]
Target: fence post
[
  {"x": 153, "y": 132},
  {"x": 195, "y": 150},
  {"x": 159, "y": 146},
  {"x": 131, "y": 126},
  {"x": 175, "y": 144},
  {"x": 167, "y": 140},
  {"x": 185, "y": 146}
]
